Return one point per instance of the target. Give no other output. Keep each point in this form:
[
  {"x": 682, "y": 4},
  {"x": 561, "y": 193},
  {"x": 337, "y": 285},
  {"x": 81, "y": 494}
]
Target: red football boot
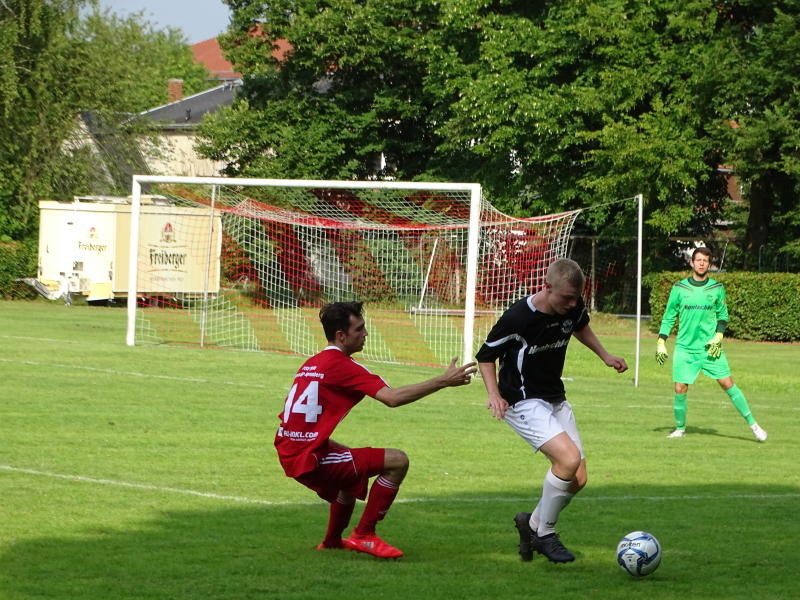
[{"x": 371, "y": 544}]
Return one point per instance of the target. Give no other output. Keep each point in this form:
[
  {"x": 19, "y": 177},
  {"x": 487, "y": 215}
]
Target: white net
[{"x": 272, "y": 255}]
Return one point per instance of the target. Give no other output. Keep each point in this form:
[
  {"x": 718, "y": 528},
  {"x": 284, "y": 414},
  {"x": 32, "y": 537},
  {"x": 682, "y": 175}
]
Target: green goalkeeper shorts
[{"x": 686, "y": 366}]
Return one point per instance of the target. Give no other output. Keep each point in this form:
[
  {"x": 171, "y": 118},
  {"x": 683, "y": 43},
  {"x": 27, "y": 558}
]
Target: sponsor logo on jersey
[
  {"x": 298, "y": 436},
  {"x": 698, "y": 307},
  {"x": 310, "y": 372},
  {"x": 545, "y": 347}
]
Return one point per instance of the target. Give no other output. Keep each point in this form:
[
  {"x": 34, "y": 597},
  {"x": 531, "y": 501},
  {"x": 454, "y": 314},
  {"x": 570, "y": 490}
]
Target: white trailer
[{"x": 83, "y": 247}]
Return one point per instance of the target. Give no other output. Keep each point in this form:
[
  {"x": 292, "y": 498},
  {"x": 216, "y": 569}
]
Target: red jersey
[{"x": 325, "y": 388}]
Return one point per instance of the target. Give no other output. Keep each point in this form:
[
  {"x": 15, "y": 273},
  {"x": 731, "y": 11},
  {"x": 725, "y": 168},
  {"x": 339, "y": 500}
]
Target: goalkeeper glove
[
  {"x": 714, "y": 345},
  {"x": 661, "y": 351}
]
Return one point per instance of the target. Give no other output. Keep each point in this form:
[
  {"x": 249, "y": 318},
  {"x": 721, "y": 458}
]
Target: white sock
[
  {"x": 534, "y": 520},
  {"x": 555, "y": 498}
]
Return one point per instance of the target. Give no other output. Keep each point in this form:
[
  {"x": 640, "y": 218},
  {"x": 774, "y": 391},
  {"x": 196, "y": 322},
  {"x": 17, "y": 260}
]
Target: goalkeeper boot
[
  {"x": 678, "y": 433},
  {"x": 760, "y": 434},
  {"x": 371, "y": 544},
  {"x": 527, "y": 535},
  {"x": 550, "y": 546}
]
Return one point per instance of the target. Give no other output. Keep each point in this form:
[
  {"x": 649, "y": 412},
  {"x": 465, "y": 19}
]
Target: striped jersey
[
  {"x": 325, "y": 389},
  {"x": 701, "y": 311},
  {"x": 531, "y": 347}
]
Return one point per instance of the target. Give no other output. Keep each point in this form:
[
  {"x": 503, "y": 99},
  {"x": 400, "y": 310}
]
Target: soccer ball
[{"x": 639, "y": 553}]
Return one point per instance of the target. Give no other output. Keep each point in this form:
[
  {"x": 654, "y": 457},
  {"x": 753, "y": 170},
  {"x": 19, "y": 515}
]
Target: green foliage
[
  {"x": 761, "y": 306},
  {"x": 266, "y": 143},
  {"x": 349, "y": 92},
  {"x": 36, "y": 117},
  {"x": 548, "y": 109},
  {"x": 764, "y": 143},
  {"x": 548, "y": 105},
  {"x": 132, "y": 61},
  {"x": 56, "y": 64},
  {"x": 605, "y": 100},
  {"x": 17, "y": 259}
]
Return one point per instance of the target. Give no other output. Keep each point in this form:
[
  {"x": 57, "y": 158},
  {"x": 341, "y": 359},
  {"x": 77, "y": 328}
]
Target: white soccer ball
[{"x": 639, "y": 553}]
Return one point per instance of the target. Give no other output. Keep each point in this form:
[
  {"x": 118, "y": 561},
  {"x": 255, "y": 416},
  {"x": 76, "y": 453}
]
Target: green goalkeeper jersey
[{"x": 701, "y": 310}]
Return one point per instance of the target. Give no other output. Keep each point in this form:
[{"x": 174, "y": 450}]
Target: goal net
[{"x": 247, "y": 263}]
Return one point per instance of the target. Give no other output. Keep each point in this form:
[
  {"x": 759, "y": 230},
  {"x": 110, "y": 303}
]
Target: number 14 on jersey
[{"x": 307, "y": 404}]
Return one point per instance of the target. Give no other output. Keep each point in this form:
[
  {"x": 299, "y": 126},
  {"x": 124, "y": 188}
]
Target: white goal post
[{"x": 247, "y": 263}]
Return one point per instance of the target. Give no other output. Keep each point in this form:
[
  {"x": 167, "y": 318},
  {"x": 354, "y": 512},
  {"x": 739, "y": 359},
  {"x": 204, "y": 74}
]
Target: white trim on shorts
[{"x": 538, "y": 421}]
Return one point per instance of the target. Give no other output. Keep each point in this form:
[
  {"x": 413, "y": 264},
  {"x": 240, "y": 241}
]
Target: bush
[
  {"x": 17, "y": 259},
  {"x": 761, "y": 306}
]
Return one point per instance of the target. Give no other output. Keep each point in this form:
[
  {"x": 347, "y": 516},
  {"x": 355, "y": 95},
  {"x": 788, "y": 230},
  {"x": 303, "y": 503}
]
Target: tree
[
  {"x": 348, "y": 93},
  {"x": 549, "y": 105},
  {"x": 763, "y": 139},
  {"x": 570, "y": 104},
  {"x": 56, "y": 63},
  {"x": 524, "y": 97},
  {"x": 132, "y": 61},
  {"x": 34, "y": 102}
]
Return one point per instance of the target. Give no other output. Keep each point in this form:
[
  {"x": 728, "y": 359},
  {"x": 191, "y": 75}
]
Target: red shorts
[{"x": 344, "y": 469}]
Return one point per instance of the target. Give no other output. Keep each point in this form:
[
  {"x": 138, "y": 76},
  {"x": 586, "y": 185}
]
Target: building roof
[
  {"x": 209, "y": 54},
  {"x": 187, "y": 112}
]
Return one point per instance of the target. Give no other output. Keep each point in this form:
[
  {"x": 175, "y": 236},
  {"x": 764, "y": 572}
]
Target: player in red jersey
[{"x": 325, "y": 389}]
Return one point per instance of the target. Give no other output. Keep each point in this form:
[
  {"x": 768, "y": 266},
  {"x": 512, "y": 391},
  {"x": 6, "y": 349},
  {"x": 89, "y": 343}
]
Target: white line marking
[
  {"x": 142, "y": 486},
  {"x": 428, "y": 500},
  {"x": 36, "y": 339},
  {"x": 35, "y": 363}
]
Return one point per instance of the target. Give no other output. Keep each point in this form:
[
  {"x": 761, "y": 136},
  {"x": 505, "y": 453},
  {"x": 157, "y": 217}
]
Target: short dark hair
[
  {"x": 336, "y": 316},
  {"x": 702, "y": 250}
]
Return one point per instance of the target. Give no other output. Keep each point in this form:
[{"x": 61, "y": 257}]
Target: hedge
[
  {"x": 17, "y": 259},
  {"x": 761, "y": 306}
]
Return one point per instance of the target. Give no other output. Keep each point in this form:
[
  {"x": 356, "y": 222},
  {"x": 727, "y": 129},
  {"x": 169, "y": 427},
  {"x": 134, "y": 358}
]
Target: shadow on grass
[
  {"x": 710, "y": 431},
  {"x": 719, "y": 542}
]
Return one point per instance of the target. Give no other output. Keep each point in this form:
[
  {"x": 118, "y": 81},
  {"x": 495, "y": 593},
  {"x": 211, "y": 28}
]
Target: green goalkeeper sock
[
  {"x": 679, "y": 408},
  {"x": 740, "y": 402}
]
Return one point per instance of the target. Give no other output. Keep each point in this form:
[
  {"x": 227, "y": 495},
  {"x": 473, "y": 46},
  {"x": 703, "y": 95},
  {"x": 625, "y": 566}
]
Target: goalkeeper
[{"x": 698, "y": 302}]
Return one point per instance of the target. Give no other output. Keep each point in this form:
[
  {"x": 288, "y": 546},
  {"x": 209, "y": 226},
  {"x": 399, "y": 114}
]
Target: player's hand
[
  {"x": 714, "y": 345},
  {"x": 617, "y": 363},
  {"x": 661, "y": 351},
  {"x": 455, "y": 375},
  {"x": 498, "y": 405}
]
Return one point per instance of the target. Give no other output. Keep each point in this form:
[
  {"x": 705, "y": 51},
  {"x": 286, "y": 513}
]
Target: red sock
[
  {"x": 381, "y": 495},
  {"x": 338, "y": 520}
]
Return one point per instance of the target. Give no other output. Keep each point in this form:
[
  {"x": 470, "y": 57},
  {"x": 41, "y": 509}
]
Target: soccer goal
[{"x": 247, "y": 263}]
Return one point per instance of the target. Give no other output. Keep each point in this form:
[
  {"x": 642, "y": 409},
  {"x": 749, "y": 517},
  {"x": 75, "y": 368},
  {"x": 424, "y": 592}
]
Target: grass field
[{"x": 149, "y": 472}]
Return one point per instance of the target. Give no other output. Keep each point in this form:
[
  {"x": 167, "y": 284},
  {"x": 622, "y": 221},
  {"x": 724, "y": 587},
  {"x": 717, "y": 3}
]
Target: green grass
[
  {"x": 397, "y": 335},
  {"x": 149, "y": 472}
]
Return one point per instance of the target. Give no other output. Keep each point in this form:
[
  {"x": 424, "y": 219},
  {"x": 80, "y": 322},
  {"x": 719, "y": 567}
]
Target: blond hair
[{"x": 565, "y": 270}]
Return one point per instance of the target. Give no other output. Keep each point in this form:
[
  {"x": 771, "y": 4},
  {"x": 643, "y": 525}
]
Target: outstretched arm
[
  {"x": 587, "y": 337},
  {"x": 453, "y": 376}
]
